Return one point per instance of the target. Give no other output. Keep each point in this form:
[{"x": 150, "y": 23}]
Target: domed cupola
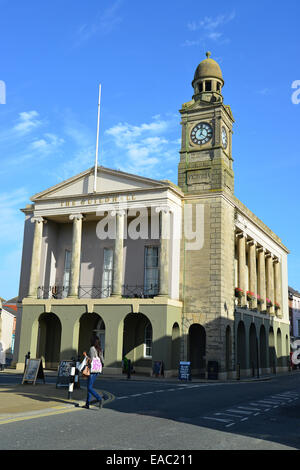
[{"x": 208, "y": 81}]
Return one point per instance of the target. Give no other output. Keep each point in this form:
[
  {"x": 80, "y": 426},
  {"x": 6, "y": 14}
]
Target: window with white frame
[
  {"x": 107, "y": 275},
  {"x": 148, "y": 340},
  {"x": 151, "y": 275}
]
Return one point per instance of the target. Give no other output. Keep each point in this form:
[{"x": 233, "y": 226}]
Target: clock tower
[{"x": 206, "y": 149}]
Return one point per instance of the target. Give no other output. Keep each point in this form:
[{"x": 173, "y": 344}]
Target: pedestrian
[
  {"x": 2, "y": 356},
  {"x": 94, "y": 352}
]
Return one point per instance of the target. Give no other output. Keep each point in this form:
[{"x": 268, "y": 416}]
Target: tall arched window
[{"x": 148, "y": 340}]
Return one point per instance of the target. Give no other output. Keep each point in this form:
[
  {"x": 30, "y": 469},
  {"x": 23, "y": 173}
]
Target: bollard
[
  {"x": 76, "y": 378},
  {"x": 129, "y": 369},
  {"x": 71, "y": 383}
]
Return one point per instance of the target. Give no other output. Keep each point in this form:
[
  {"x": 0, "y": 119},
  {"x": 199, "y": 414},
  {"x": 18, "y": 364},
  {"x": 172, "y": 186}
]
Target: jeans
[{"x": 90, "y": 390}]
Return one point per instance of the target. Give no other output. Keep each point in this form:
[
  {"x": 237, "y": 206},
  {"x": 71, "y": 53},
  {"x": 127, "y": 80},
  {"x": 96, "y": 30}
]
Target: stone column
[
  {"x": 164, "y": 252},
  {"x": 262, "y": 277},
  {"x": 270, "y": 281},
  {"x": 36, "y": 256},
  {"x": 277, "y": 286},
  {"x": 118, "y": 253},
  {"x": 76, "y": 253},
  {"x": 242, "y": 266},
  {"x": 252, "y": 271}
]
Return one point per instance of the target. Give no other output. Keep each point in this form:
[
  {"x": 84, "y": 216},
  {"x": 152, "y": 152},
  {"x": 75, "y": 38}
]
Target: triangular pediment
[{"x": 108, "y": 181}]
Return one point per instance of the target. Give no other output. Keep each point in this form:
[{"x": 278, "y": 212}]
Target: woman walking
[{"x": 94, "y": 352}]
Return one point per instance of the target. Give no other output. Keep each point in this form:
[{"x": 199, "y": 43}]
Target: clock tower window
[{"x": 208, "y": 85}]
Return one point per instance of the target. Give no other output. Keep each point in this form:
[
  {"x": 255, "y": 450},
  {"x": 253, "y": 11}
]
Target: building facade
[
  {"x": 158, "y": 271},
  {"x": 294, "y": 312}
]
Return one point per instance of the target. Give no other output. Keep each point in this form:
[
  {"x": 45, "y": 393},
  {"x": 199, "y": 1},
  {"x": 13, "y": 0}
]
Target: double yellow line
[{"x": 56, "y": 411}]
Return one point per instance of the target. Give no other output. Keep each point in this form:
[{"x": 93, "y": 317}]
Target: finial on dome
[{"x": 208, "y": 54}]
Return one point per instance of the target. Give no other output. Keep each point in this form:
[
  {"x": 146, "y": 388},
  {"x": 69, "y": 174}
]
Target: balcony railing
[{"x": 97, "y": 292}]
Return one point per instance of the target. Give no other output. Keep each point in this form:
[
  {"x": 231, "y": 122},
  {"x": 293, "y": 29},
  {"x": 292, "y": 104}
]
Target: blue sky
[{"x": 54, "y": 54}]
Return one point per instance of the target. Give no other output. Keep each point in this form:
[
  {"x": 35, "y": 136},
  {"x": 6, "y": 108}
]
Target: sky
[{"x": 54, "y": 54}]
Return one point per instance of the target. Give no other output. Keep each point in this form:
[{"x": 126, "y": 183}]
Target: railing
[
  {"x": 52, "y": 292},
  {"x": 97, "y": 292},
  {"x": 141, "y": 292},
  {"x": 94, "y": 292}
]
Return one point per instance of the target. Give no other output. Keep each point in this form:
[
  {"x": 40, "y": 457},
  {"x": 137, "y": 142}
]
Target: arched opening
[
  {"x": 252, "y": 347},
  {"x": 228, "y": 358},
  {"x": 90, "y": 324},
  {"x": 48, "y": 341},
  {"x": 175, "y": 346},
  {"x": 279, "y": 348},
  {"x": 287, "y": 350},
  {"x": 241, "y": 346},
  {"x": 137, "y": 342},
  {"x": 272, "y": 351},
  {"x": 263, "y": 347},
  {"x": 197, "y": 350}
]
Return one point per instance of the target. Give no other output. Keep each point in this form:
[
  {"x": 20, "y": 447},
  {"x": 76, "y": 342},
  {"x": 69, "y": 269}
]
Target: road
[{"x": 158, "y": 415}]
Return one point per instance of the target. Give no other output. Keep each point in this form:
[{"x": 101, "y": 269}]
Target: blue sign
[{"x": 184, "y": 372}]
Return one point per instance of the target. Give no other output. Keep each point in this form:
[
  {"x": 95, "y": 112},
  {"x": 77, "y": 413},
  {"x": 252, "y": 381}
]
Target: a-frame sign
[{"x": 34, "y": 370}]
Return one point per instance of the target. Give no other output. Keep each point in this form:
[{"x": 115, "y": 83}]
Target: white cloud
[
  {"x": 145, "y": 147},
  {"x": 105, "y": 22},
  {"x": 210, "y": 29},
  {"x": 27, "y": 122}
]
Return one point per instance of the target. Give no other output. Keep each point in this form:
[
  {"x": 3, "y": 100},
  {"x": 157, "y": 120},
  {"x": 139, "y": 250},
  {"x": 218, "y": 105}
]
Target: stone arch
[
  {"x": 49, "y": 340},
  {"x": 88, "y": 326},
  {"x": 263, "y": 347},
  {"x": 137, "y": 341},
  {"x": 272, "y": 351},
  {"x": 279, "y": 348},
  {"x": 241, "y": 356},
  {"x": 197, "y": 349},
  {"x": 252, "y": 347},
  {"x": 228, "y": 357},
  {"x": 175, "y": 346}
]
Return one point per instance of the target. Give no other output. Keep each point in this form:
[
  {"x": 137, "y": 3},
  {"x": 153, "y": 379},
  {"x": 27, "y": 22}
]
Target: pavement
[{"x": 20, "y": 400}]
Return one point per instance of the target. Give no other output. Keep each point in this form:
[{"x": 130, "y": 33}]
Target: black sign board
[
  {"x": 158, "y": 368},
  {"x": 64, "y": 373},
  {"x": 184, "y": 371},
  {"x": 34, "y": 370}
]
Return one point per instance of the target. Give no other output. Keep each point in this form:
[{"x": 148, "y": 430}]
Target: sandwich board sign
[
  {"x": 34, "y": 370},
  {"x": 64, "y": 373},
  {"x": 184, "y": 372}
]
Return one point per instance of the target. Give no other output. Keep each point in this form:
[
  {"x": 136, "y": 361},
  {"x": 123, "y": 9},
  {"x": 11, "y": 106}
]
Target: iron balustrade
[
  {"x": 52, "y": 292},
  {"x": 98, "y": 292}
]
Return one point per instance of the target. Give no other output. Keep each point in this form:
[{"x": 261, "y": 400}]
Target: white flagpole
[{"x": 97, "y": 143}]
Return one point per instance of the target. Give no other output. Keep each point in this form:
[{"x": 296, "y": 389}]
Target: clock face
[
  {"x": 201, "y": 133},
  {"x": 224, "y": 138}
]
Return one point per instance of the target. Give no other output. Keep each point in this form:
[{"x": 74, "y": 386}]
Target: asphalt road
[{"x": 169, "y": 415}]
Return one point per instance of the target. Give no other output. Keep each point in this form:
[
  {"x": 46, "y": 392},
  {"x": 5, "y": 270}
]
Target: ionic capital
[
  {"x": 38, "y": 219},
  {"x": 76, "y": 216}
]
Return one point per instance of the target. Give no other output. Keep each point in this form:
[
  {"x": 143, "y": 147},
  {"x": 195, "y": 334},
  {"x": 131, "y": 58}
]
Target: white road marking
[
  {"x": 217, "y": 419},
  {"x": 240, "y": 412},
  {"x": 249, "y": 409}
]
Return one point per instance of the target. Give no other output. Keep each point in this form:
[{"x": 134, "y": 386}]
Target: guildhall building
[{"x": 160, "y": 272}]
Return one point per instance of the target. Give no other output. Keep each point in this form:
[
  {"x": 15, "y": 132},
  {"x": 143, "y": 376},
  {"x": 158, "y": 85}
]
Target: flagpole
[{"x": 97, "y": 143}]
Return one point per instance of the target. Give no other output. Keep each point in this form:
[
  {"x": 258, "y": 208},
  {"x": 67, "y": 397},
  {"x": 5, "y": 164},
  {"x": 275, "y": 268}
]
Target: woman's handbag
[
  {"x": 86, "y": 372},
  {"x": 96, "y": 366}
]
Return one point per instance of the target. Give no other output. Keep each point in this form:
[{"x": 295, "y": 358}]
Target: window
[
  {"x": 67, "y": 273},
  {"x": 200, "y": 87},
  {"x": 107, "y": 276},
  {"x": 208, "y": 85},
  {"x": 298, "y": 327},
  {"x": 148, "y": 340},
  {"x": 151, "y": 270},
  {"x": 218, "y": 86}
]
